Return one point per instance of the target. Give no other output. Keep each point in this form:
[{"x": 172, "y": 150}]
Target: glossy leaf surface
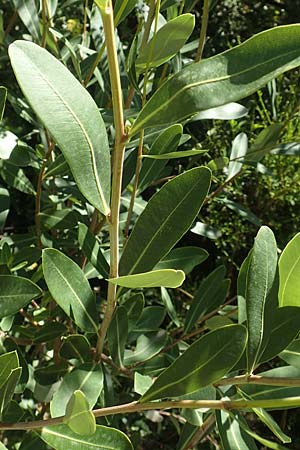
[
  {"x": 15, "y": 293},
  {"x": 183, "y": 258},
  {"x": 164, "y": 277},
  {"x": 167, "y": 216},
  {"x": 224, "y": 78},
  {"x": 289, "y": 274},
  {"x": 61, "y": 437},
  {"x": 70, "y": 289},
  {"x": 233, "y": 437},
  {"x": 238, "y": 151},
  {"x": 204, "y": 362},
  {"x": 69, "y": 113}
]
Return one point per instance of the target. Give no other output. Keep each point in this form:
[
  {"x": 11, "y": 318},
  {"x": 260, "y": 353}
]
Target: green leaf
[
  {"x": 147, "y": 346},
  {"x": 224, "y": 78},
  {"x": 4, "y": 206},
  {"x": 134, "y": 306},
  {"x": 121, "y": 10},
  {"x": 150, "y": 319},
  {"x": 15, "y": 293},
  {"x": 50, "y": 374},
  {"x": 8, "y": 363},
  {"x": 117, "y": 335},
  {"x": 291, "y": 354},
  {"x": 91, "y": 248},
  {"x": 141, "y": 383},
  {"x": 289, "y": 271},
  {"x": 8, "y": 388},
  {"x": 78, "y": 416},
  {"x": 87, "y": 378},
  {"x": 243, "y": 212},
  {"x": 166, "y": 299},
  {"x": 264, "y": 142},
  {"x": 61, "y": 437},
  {"x": 3, "y": 94},
  {"x": 238, "y": 150},
  {"x": 183, "y": 258},
  {"x": 204, "y": 362},
  {"x": 29, "y": 15},
  {"x": 288, "y": 149},
  {"x": 166, "y": 42},
  {"x": 75, "y": 346},
  {"x": 212, "y": 292},
  {"x": 225, "y": 112},
  {"x": 166, "y": 142},
  {"x": 260, "y": 278},
  {"x": 165, "y": 277},
  {"x": 70, "y": 289},
  {"x": 167, "y": 216},
  {"x": 233, "y": 437},
  {"x": 176, "y": 155},
  {"x": 16, "y": 178},
  {"x": 71, "y": 116}
]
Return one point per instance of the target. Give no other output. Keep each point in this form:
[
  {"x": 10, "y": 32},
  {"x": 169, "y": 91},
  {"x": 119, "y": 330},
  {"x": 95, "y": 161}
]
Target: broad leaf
[
  {"x": 206, "y": 361},
  {"x": 224, "y": 78},
  {"x": 260, "y": 278},
  {"x": 167, "y": 216},
  {"x": 16, "y": 178},
  {"x": 8, "y": 363},
  {"x": 75, "y": 346},
  {"x": 70, "y": 289},
  {"x": 15, "y": 293},
  {"x": 61, "y": 437},
  {"x": 70, "y": 114},
  {"x": 164, "y": 277},
  {"x": 289, "y": 274},
  {"x": 3, "y": 94},
  {"x": 166, "y": 42},
  {"x": 78, "y": 416},
  {"x": 87, "y": 378},
  {"x": 117, "y": 335}
]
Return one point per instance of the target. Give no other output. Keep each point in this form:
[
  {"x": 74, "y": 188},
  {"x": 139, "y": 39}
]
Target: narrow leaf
[
  {"x": 91, "y": 248},
  {"x": 233, "y": 437},
  {"x": 238, "y": 151},
  {"x": 225, "y": 112},
  {"x": 117, "y": 335},
  {"x": 70, "y": 114},
  {"x": 223, "y": 78},
  {"x": 61, "y": 437},
  {"x": 29, "y": 15},
  {"x": 260, "y": 277},
  {"x": 147, "y": 346},
  {"x": 165, "y": 277},
  {"x": 176, "y": 155},
  {"x": 15, "y": 293},
  {"x": 3, "y": 94},
  {"x": 289, "y": 274},
  {"x": 183, "y": 258},
  {"x": 167, "y": 216},
  {"x": 70, "y": 289},
  {"x": 204, "y": 362},
  {"x": 291, "y": 355}
]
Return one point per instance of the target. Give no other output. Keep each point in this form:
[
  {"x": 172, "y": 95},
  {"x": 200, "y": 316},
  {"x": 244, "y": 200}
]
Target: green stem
[
  {"x": 203, "y": 31},
  {"x": 127, "y": 408},
  {"x": 118, "y": 158},
  {"x": 45, "y": 22},
  {"x": 257, "y": 379}
]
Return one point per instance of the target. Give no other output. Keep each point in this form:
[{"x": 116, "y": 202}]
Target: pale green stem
[
  {"x": 204, "y": 23},
  {"x": 118, "y": 158},
  {"x": 227, "y": 405},
  {"x": 257, "y": 379}
]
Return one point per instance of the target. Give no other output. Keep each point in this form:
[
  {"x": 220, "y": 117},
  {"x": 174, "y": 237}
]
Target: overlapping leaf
[{"x": 15, "y": 293}]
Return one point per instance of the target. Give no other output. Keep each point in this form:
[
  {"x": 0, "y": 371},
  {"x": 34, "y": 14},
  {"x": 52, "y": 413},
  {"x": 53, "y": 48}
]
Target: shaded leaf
[
  {"x": 29, "y": 15},
  {"x": 78, "y": 416},
  {"x": 15, "y": 293},
  {"x": 70, "y": 289},
  {"x": 233, "y": 437},
  {"x": 289, "y": 271},
  {"x": 117, "y": 335},
  {"x": 238, "y": 150},
  {"x": 91, "y": 248},
  {"x": 71, "y": 116},
  {"x": 147, "y": 346},
  {"x": 204, "y": 362},
  {"x": 183, "y": 258},
  {"x": 3, "y": 94},
  {"x": 291, "y": 354},
  {"x": 75, "y": 346},
  {"x": 4, "y": 206}
]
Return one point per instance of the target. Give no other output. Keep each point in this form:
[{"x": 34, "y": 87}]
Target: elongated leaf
[
  {"x": 245, "y": 213},
  {"x": 8, "y": 363},
  {"x": 122, "y": 8},
  {"x": 71, "y": 116},
  {"x": 288, "y": 149},
  {"x": 289, "y": 274},
  {"x": 117, "y": 335},
  {"x": 70, "y": 289},
  {"x": 165, "y": 277},
  {"x": 87, "y": 378},
  {"x": 238, "y": 150},
  {"x": 8, "y": 389},
  {"x": 29, "y": 15},
  {"x": 4, "y": 206},
  {"x": 224, "y": 78},
  {"x": 260, "y": 278},
  {"x": 224, "y": 112},
  {"x": 78, "y": 416},
  {"x": 91, "y": 248},
  {"x": 166, "y": 142},
  {"x": 166, "y": 42},
  {"x": 291, "y": 355},
  {"x": 15, "y": 293},
  {"x": 167, "y": 301},
  {"x": 211, "y": 293},
  {"x": 176, "y": 155},
  {"x": 167, "y": 216},
  {"x": 75, "y": 346},
  {"x": 147, "y": 346},
  {"x": 16, "y": 178},
  {"x": 61, "y": 437},
  {"x": 204, "y": 362},
  {"x": 264, "y": 142},
  {"x": 3, "y": 94},
  {"x": 233, "y": 437},
  {"x": 183, "y": 258},
  {"x": 134, "y": 306}
]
